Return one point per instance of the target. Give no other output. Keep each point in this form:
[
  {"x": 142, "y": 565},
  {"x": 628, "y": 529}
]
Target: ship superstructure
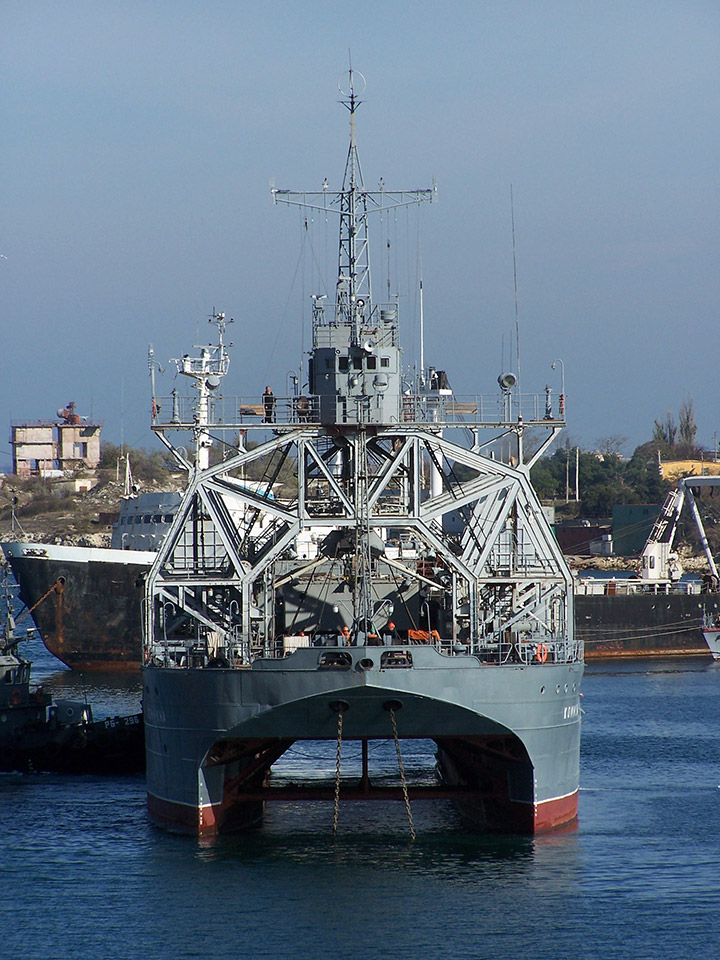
[{"x": 361, "y": 564}]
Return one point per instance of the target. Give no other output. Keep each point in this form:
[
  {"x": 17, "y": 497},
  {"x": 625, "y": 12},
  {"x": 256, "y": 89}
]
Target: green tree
[
  {"x": 548, "y": 476},
  {"x": 146, "y": 465},
  {"x": 605, "y": 479},
  {"x": 599, "y": 500},
  {"x": 642, "y": 472},
  {"x": 688, "y": 427},
  {"x": 665, "y": 431}
]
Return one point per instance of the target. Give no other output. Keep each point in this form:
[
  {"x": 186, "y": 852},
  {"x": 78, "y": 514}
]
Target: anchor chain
[
  {"x": 406, "y": 797},
  {"x": 337, "y": 773}
]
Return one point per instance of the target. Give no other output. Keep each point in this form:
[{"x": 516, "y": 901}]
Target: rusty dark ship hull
[
  {"x": 643, "y": 624},
  {"x": 85, "y": 601}
]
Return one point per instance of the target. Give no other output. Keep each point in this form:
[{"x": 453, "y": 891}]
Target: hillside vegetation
[{"x": 36, "y": 508}]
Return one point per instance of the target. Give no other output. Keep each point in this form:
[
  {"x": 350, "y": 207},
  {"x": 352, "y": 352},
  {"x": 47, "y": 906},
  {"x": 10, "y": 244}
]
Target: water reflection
[{"x": 373, "y": 842}]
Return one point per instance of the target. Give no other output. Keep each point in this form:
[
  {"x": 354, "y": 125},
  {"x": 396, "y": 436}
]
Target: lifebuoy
[
  {"x": 541, "y": 652},
  {"x": 16, "y": 698}
]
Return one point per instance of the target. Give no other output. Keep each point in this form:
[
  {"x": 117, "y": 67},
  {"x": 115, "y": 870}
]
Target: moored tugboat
[{"x": 38, "y": 734}]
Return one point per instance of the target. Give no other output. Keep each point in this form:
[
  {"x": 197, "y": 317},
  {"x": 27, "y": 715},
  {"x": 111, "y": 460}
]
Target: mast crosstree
[{"x": 354, "y": 204}]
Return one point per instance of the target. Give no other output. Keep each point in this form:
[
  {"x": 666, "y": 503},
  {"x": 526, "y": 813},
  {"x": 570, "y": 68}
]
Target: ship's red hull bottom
[
  {"x": 488, "y": 815},
  {"x": 202, "y": 821},
  {"x": 555, "y": 813},
  {"x": 209, "y": 820}
]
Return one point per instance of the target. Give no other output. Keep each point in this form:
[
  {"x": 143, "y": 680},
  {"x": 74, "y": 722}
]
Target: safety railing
[
  {"x": 533, "y": 651},
  {"x": 179, "y": 412}
]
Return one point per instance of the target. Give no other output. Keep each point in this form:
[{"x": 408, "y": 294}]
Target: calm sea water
[{"x": 85, "y": 875}]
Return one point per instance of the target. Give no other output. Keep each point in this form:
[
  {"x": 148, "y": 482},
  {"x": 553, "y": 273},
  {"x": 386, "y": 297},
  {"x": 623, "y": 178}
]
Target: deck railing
[
  {"x": 235, "y": 653},
  {"x": 466, "y": 410}
]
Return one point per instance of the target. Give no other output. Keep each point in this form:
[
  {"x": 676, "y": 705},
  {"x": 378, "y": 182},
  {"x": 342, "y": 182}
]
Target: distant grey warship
[{"x": 364, "y": 564}]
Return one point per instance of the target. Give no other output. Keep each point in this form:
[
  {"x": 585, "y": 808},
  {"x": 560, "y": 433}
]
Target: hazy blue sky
[{"x": 138, "y": 140}]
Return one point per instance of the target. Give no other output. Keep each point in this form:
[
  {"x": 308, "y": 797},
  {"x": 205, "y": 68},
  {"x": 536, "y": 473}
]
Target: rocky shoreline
[
  {"x": 625, "y": 565},
  {"x": 631, "y": 564},
  {"x": 46, "y": 513}
]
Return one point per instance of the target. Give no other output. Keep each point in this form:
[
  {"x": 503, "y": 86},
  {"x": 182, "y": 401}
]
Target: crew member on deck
[
  {"x": 303, "y": 408},
  {"x": 269, "y": 406}
]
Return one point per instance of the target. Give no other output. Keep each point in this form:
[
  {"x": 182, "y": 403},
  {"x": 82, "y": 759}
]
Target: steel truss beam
[{"x": 252, "y": 529}]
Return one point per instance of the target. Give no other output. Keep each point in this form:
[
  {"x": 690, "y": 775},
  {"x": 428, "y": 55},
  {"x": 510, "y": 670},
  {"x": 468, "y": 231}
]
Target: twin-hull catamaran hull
[
  {"x": 508, "y": 735},
  {"x": 389, "y": 575}
]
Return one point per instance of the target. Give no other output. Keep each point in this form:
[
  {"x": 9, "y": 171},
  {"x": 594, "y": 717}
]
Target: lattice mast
[
  {"x": 353, "y": 301},
  {"x": 368, "y": 393},
  {"x": 354, "y": 288}
]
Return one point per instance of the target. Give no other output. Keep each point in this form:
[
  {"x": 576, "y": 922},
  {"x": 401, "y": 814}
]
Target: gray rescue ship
[{"x": 368, "y": 568}]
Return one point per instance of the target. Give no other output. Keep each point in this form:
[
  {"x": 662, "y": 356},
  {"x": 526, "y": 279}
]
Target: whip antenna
[{"x": 517, "y": 317}]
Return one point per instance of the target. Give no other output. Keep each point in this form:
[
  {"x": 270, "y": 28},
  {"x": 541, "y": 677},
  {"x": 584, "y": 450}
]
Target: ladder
[{"x": 663, "y": 530}]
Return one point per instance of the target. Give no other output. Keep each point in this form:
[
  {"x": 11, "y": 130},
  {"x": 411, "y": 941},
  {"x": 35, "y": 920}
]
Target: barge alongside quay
[
  {"x": 341, "y": 609},
  {"x": 636, "y": 622}
]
